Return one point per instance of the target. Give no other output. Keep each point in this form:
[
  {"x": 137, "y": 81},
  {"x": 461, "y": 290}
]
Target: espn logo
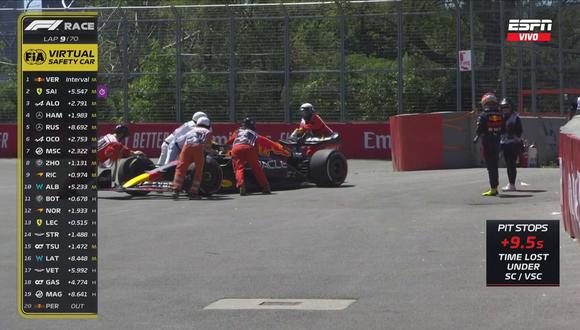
[
  {"x": 47, "y": 24},
  {"x": 524, "y": 30}
]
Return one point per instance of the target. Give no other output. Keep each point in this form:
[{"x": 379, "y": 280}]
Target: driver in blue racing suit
[{"x": 489, "y": 126}]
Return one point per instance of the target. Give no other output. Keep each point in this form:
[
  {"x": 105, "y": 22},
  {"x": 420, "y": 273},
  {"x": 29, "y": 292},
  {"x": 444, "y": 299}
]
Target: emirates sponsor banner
[{"x": 363, "y": 140}]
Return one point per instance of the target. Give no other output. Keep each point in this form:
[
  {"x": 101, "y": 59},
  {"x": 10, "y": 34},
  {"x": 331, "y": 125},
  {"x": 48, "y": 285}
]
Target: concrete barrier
[
  {"x": 416, "y": 141},
  {"x": 544, "y": 133},
  {"x": 540, "y": 131},
  {"x": 570, "y": 180},
  {"x": 443, "y": 140},
  {"x": 458, "y": 131}
]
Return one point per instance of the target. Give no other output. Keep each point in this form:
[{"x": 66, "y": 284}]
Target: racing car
[
  {"x": 291, "y": 163},
  {"x": 286, "y": 163},
  {"x": 138, "y": 176}
]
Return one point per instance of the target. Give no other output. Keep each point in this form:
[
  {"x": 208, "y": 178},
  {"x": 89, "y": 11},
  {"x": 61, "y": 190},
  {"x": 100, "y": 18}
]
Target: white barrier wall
[{"x": 543, "y": 132}]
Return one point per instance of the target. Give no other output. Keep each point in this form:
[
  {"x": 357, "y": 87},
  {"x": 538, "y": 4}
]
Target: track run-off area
[{"x": 407, "y": 247}]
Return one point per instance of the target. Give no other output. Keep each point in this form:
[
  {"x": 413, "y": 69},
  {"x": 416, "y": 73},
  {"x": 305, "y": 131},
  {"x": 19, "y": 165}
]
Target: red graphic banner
[
  {"x": 529, "y": 37},
  {"x": 8, "y": 140},
  {"x": 363, "y": 140},
  {"x": 570, "y": 182}
]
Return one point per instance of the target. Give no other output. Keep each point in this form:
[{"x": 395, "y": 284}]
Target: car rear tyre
[
  {"x": 211, "y": 180},
  {"x": 328, "y": 168}
]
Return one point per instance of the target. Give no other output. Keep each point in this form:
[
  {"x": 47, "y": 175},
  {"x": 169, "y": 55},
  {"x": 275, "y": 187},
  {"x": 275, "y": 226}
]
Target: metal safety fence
[{"x": 354, "y": 60}]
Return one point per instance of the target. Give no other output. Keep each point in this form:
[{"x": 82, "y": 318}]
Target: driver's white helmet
[
  {"x": 204, "y": 122},
  {"x": 198, "y": 115}
]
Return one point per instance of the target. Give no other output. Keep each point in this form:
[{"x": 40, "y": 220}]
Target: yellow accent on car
[
  {"x": 227, "y": 183},
  {"x": 136, "y": 180}
]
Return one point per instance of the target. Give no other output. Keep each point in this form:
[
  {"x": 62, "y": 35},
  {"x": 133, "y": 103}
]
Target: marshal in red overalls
[{"x": 244, "y": 151}]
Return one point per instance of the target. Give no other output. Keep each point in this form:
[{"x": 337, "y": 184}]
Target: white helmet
[
  {"x": 198, "y": 115},
  {"x": 204, "y": 122},
  {"x": 307, "y": 107}
]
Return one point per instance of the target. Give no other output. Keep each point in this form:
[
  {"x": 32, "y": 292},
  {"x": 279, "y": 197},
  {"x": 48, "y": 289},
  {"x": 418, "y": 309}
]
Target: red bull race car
[
  {"x": 286, "y": 163},
  {"x": 291, "y": 163},
  {"x": 138, "y": 176}
]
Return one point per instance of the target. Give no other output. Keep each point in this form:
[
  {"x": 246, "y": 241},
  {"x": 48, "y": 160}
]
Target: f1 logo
[{"x": 48, "y": 24}]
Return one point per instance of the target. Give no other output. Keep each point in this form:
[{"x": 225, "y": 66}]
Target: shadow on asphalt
[
  {"x": 310, "y": 185},
  {"x": 163, "y": 196},
  {"x": 531, "y": 190},
  {"x": 489, "y": 203},
  {"x": 515, "y": 196},
  {"x": 184, "y": 198},
  {"x": 118, "y": 198},
  {"x": 341, "y": 186},
  {"x": 306, "y": 186},
  {"x": 154, "y": 195}
]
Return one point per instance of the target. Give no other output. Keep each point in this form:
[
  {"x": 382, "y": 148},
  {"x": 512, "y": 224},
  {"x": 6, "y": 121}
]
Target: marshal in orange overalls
[{"x": 197, "y": 141}]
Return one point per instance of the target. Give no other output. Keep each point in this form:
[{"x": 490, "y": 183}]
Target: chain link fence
[
  {"x": 355, "y": 61},
  {"x": 538, "y": 76}
]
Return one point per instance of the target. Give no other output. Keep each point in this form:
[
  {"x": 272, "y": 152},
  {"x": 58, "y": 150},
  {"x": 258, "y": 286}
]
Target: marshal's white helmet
[
  {"x": 198, "y": 115},
  {"x": 204, "y": 122},
  {"x": 307, "y": 107}
]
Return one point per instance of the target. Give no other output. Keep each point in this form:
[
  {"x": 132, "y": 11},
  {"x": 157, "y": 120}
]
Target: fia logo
[{"x": 34, "y": 56}]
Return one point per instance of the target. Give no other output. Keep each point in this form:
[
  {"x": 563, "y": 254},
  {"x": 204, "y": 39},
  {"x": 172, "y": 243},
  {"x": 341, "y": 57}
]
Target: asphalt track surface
[{"x": 408, "y": 246}]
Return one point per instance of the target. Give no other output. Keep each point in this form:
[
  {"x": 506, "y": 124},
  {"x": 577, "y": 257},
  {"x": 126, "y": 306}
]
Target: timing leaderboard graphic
[{"x": 57, "y": 222}]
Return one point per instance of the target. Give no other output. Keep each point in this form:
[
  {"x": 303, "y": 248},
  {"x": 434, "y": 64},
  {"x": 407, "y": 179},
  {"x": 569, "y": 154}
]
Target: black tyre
[
  {"x": 104, "y": 179},
  {"x": 328, "y": 168},
  {"x": 131, "y": 167},
  {"x": 211, "y": 181}
]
